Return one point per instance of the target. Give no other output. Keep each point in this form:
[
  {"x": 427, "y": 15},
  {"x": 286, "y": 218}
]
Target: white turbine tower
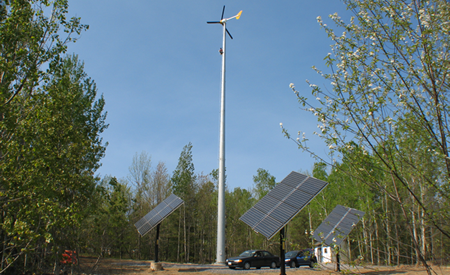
[{"x": 220, "y": 256}]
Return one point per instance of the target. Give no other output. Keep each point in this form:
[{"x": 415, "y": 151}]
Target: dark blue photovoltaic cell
[
  {"x": 282, "y": 203},
  {"x": 170, "y": 199},
  {"x": 140, "y": 223},
  {"x": 144, "y": 228},
  {"x": 268, "y": 225},
  {"x": 335, "y": 228},
  {"x": 294, "y": 179},
  {"x": 280, "y": 191},
  {"x": 266, "y": 204},
  {"x": 313, "y": 187},
  {"x": 253, "y": 217},
  {"x": 298, "y": 199},
  {"x": 165, "y": 211},
  {"x": 154, "y": 220},
  {"x": 158, "y": 214},
  {"x": 283, "y": 212}
]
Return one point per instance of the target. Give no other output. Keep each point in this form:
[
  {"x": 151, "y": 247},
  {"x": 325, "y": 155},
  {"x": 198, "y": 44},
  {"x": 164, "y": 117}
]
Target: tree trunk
[
  {"x": 359, "y": 245},
  {"x": 423, "y": 227},
  {"x": 388, "y": 230},
  {"x": 178, "y": 243},
  {"x": 349, "y": 252},
  {"x": 415, "y": 245},
  {"x": 365, "y": 237},
  {"x": 184, "y": 229},
  {"x": 414, "y": 228},
  {"x": 310, "y": 226},
  {"x": 377, "y": 242},
  {"x": 398, "y": 242}
]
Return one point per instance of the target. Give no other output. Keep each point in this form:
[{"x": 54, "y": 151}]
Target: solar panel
[
  {"x": 335, "y": 228},
  {"x": 282, "y": 203},
  {"x": 158, "y": 214}
]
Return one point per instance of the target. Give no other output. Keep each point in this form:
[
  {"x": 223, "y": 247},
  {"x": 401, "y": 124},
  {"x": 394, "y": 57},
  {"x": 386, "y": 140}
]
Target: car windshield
[
  {"x": 291, "y": 254},
  {"x": 247, "y": 253}
]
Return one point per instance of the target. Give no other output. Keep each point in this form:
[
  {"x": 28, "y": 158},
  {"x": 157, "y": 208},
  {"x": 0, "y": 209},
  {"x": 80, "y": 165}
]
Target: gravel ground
[{"x": 114, "y": 266}]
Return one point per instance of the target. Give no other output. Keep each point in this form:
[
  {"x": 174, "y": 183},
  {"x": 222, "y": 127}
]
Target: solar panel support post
[
  {"x": 282, "y": 257},
  {"x": 338, "y": 262},
  {"x": 157, "y": 243}
]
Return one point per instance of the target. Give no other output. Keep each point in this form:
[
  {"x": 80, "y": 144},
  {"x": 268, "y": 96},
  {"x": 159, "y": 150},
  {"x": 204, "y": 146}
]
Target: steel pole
[
  {"x": 282, "y": 251},
  {"x": 157, "y": 243},
  {"x": 220, "y": 256}
]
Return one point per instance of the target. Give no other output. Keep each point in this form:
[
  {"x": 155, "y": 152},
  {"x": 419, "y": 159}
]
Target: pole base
[{"x": 156, "y": 266}]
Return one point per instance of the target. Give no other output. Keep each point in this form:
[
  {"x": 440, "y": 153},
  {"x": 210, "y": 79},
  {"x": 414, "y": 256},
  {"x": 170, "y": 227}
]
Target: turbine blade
[
  {"x": 213, "y": 22},
  {"x": 229, "y": 34},
  {"x": 223, "y": 11}
]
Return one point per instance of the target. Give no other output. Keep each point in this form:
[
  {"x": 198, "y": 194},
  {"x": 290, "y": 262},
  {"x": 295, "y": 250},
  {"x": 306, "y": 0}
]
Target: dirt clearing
[{"x": 115, "y": 266}]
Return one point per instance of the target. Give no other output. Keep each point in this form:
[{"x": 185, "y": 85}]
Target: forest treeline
[
  {"x": 189, "y": 234},
  {"x": 384, "y": 120}
]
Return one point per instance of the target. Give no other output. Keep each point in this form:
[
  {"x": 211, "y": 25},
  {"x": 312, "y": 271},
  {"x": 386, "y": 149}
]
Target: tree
[
  {"x": 116, "y": 209},
  {"x": 389, "y": 75},
  {"x": 30, "y": 38},
  {"x": 35, "y": 34},
  {"x": 239, "y": 236},
  {"x": 183, "y": 176},
  {"x": 160, "y": 182},
  {"x": 49, "y": 161},
  {"x": 140, "y": 170},
  {"x": 140, "y": 177},
  {"x": 205, "y": 215},
  {"x": 264, "y": 182},
  {"x": 183, "y": 185}
]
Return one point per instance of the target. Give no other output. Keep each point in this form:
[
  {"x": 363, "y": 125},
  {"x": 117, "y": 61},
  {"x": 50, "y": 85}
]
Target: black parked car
[
  {"x": 254, "y": 258},
  {"x": 297, "y": 258}
]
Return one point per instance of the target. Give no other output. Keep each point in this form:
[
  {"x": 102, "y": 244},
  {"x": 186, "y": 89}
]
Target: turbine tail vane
[
  {"x": 238, "y": 15},
  {"x": 223, "y": 21}
]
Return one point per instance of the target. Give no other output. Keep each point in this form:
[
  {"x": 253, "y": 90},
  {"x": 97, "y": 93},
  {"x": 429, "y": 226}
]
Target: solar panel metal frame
[
  {"x": 158, "y": 214},
  {"x": 336, "y": 227},
  {"x": 270, "y": 214}
]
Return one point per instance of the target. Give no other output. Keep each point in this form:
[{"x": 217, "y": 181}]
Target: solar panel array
[
  {"x": 282, "y": 203},
  {"x": 158, "y": 214},
  {"x": 335, "y": 228}
]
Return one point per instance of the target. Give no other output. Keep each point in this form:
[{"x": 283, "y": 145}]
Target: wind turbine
[{"x": 220, "y": 256}]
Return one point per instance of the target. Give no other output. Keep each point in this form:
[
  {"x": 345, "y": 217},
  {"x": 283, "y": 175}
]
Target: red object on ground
[{"x": 69, "y": 257}]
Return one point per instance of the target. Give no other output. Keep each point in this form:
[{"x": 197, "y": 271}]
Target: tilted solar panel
[
  {"x": 336, "y": 227},
  {"x": 158, "y": 214},
  {"x": 282, "y": 203}
]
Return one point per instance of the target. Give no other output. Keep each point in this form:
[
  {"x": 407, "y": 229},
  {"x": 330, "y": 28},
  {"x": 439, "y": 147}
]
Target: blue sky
[{"x": 158, "y": 67}]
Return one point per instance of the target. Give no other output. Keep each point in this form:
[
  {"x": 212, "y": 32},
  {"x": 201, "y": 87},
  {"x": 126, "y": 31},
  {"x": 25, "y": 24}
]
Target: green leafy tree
[
  {"x": 184, "y": 174},
  {"x": 240, "y": 236},
  {"x": 117, "y": 207},
  {"x": 264, "y": 182},
  {"x": 183, "y": 185},
  {"x": 205, "y": 217},
  {"x": 34, "y": 35},
  {"x": 31, "y": 37},
  {"x": 320, "y": 171},
  {"x": 49, "y": 161}
]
